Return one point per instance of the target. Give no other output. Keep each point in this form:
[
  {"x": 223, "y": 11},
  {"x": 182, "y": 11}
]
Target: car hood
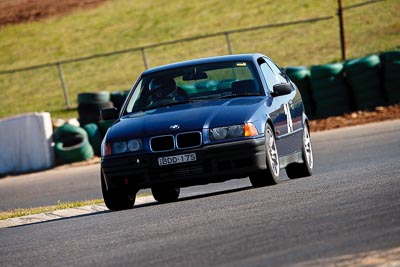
[{"x": 194, "y": 116}]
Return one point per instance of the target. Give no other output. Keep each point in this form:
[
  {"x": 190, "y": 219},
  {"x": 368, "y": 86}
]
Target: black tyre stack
[
  {"x": 364, "y": 78},
  {"x": 391, "y": 75},
  {"x": 90, "y": 104},
  {"x": 329, "y": 90},
  {"x": 118, "y": 98},
  {"x": 301, "y": 77}
]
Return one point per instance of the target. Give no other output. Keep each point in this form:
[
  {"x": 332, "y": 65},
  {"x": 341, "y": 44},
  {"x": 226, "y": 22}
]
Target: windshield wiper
[
  {"x": 166, "y": 105},
  {"x": 237, "y": 95}
]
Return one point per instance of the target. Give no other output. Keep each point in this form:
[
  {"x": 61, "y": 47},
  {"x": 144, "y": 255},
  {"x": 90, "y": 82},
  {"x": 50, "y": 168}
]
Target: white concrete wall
[{"x": 26, "y": 143}]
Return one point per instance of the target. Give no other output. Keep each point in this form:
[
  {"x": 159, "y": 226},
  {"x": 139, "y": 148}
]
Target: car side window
[
  {"x": 269, "y": 75},
  {"x": 278, "y": 72}
]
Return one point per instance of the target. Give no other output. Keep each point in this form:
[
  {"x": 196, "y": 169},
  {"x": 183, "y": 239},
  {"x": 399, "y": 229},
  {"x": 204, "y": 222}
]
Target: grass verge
[
  {"x": 60, "y": 206},
  {"x": 4, "y": 215}
]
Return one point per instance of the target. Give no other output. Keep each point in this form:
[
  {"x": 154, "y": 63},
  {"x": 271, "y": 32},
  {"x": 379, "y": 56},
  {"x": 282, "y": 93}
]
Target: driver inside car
[{"x": 163, "y": 90}]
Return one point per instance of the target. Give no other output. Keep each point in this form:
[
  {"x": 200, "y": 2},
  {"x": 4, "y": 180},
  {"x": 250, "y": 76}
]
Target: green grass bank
[{"x": 122, "y": 24}]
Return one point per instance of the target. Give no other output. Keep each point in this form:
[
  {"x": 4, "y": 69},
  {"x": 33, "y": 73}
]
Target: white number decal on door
[{"x": 289, "y": 118}]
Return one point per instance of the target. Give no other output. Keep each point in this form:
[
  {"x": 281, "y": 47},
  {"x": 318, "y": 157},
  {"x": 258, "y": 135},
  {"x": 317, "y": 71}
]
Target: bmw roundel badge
[{"x": 174, "y": 127}]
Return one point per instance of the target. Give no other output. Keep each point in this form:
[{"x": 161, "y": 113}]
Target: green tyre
[
  {"x": 94, "y": 136},
  {"x": 360, "y": 65},
  {"x": 66, "y": 130},
  {"x": 325, "y": 71},
  {"x": 74, "y": 149}
]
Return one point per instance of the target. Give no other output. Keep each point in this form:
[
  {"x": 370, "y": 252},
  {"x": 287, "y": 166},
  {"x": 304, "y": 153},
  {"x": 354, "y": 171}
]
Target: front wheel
[
  {"x": 116, "y": 199},
  {"x": 298, "y": 170},
  {"x": 271, "y": 175},
  {"x": 165, "y": 194}
]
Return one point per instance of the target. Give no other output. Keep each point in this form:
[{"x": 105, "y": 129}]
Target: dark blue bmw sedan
[{"x": 204, "y": 121}]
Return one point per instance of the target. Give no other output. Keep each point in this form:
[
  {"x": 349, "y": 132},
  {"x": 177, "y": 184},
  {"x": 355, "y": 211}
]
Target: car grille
[
  {"x": 162, "y": 143},
  {"x": 173, "y": 172},
  {"x": 180, "y": 141},
  {"x": 189, "y": 171},
  {"x": 188, "y": 140}
]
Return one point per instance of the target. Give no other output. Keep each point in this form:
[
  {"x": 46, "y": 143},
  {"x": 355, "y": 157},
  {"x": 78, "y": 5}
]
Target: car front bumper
[{"x": 215, "y": 163}]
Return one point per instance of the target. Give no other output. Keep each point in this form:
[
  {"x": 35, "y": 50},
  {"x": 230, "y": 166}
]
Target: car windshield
[{"x": 194, "y": 83}]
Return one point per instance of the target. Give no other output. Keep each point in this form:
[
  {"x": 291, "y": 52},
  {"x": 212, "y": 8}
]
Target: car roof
[{"x": 237, "y": 57}]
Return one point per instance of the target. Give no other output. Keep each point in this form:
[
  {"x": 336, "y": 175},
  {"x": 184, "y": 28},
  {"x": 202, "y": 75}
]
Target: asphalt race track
[{"x": 348, "y": 212}]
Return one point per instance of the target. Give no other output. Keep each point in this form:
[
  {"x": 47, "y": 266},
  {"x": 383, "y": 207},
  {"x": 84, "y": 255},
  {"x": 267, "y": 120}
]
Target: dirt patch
[
  {"x": 19, "y": 11},
  {"x": 356, "y": 118}
]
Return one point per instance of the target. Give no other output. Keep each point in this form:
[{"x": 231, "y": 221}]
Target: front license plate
[{"x": 162, "y": 161}]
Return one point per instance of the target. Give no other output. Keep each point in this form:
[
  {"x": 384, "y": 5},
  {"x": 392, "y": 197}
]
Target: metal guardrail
[
  {"x": 362, "y": 4},
  {"x": 59, "y": 64},
  {"x": 189, "y": 39}
]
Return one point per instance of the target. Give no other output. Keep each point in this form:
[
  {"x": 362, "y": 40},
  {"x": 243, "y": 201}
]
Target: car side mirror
[
  {"x": 282, "y": 89},
  {"x": 109, "y": 114}
]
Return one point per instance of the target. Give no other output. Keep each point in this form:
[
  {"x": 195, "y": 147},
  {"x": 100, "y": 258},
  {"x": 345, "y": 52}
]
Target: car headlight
[
  {"x": 234, "y": 131},
  {"x": 134, "y": 145},
  {"x": 120, "y": 147}
]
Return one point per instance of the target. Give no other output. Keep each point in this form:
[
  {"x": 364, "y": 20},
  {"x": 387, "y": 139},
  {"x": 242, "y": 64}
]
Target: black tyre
[
  {"x": 93, "y": 97},
  {"x": 298, "y": 170},
  {"x": 118, "y": 98},
  {"x": 165, "y": 194},
  {"x": 90, "y": 113},
  {"x": 117, "y": 199},
  {"x": 271, "y": 174}
]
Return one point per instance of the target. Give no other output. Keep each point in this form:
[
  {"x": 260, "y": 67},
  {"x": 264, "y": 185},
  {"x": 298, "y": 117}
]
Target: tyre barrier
[
  {"x": 72, "y": 144},
  {"x": 364, "y": 78},
  {"x": 90, "y": 104},
  {"x": 321, "y": 72},
  {"x": 329, "y": 90},
  {"x": 358, "y": 84},
  {"x": 391, "y": 75},
  {"x": 94, "y": 136},
  {"x": 90, "y": 112},
  {"x": 104, "y": 125},
  {"x": 73, "y": 150},
  {"x": 301, "y": 77},
  {"x": 66, "y": 130},
  {"x": 118, "y": 98},
  {"x": 94, "y": 97}
]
